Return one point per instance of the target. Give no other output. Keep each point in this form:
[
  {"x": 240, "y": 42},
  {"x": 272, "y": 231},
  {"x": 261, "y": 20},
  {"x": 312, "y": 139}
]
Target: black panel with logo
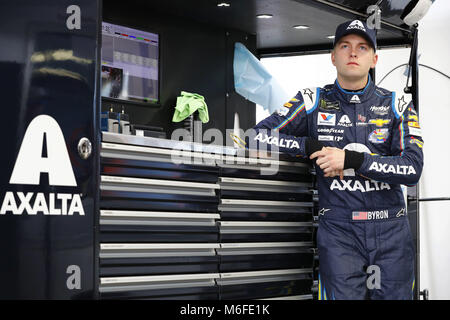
[{"x": 48, "y": 187}]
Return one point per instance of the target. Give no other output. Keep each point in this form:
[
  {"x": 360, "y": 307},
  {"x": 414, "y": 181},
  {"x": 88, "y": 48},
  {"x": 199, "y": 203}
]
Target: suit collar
[{"x": 355, "y": 97}]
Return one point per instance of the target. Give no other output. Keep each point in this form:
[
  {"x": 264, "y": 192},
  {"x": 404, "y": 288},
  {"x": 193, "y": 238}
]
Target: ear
[
  {"x": 333, "y": 58},
  {"x": 374, "y": 61}
]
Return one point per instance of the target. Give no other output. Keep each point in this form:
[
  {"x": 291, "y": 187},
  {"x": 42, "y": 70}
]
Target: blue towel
[{"x": 254, "y": 82}]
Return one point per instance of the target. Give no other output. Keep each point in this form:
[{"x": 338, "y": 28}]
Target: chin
[{"x": 354, "y": 76}]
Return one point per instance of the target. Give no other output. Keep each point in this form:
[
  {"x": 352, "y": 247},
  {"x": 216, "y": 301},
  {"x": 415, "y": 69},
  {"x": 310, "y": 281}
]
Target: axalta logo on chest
[
  {"x": 30, "y": 164},
  {"x": 356, "y": 185}
]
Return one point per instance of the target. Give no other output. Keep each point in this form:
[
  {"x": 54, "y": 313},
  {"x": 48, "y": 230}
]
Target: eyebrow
[{"x": 345, "y": 41}]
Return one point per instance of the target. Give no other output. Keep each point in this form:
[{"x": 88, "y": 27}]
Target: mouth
[{"x": 352, "y": 63}]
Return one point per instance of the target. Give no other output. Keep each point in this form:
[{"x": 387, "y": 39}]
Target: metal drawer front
[
  {"x": 265, "y": 231},
  {"x": 158, "y": 234},
  {"x": 165, "y": 143},
  {"x": 123, "y": 217},
  {"x": 256, "y": 248},
  {"x": 123, "y": 151},
  {"x": 128, "y": 226},
  {"x": 121, "y": 200},
  {"x": 185, "y": 293},
  {"x": 262, "y": 290},
  {"x": 262, "y": 227},
  {"x": 301, "y": 215},
  {"x": 263, "y": 185},
  {"x": 155, "y": 186},
  {"x": 140, "y": 250},
  {"x": 126, "y": 193},
  {"x": 261, "y": 205},
  {"x": 154, "y": 265},
  {"x": 264, "y": 165},
  {"x": 250, "y": 262},
  {"x": 265, "y": 284},
  {"x": 265, "y": 255},
  {"x": 302, "y": 196},
  {"x": 117, "y": 284},
  {"x": 298, "y": 176},
  {"x": 233, "y": 278},
  {"x": 158, "y": 170},
  {"x": 117, "y": 259}
]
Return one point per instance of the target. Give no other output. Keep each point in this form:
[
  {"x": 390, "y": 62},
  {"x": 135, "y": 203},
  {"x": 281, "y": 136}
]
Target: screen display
[{"x": 129, "y": 64}]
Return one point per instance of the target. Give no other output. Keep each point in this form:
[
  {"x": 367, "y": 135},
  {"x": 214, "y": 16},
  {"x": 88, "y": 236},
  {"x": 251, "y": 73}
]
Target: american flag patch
[{"x": 359, "y": 215}]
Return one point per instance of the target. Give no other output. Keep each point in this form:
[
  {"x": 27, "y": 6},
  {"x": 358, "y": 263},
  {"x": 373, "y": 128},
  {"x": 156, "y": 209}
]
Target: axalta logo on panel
[{"x": 30, "y": 164}]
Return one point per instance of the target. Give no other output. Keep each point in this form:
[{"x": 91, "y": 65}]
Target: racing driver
[{"x": 366, "y": 142}]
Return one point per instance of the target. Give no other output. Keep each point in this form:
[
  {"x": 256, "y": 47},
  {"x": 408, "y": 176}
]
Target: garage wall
[
  {"x": 194, "y": 57},
  {"x": 434, "y": 46},
  {"x": 294, "y": 73}
]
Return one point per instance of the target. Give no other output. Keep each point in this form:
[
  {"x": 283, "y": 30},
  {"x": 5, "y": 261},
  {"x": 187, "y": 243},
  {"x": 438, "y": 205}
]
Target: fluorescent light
[
  {"x": 264, "y": 16},
  {"x": 330, "y": 37},
  {"x": 301, "y": 27},
  {"x": 223, "y": 4}
]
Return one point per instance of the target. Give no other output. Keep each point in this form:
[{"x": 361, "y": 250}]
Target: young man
[{"x": 365, "y": 142}]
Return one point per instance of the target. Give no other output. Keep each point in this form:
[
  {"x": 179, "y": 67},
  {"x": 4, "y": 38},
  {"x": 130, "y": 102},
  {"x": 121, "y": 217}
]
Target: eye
[
  {"x": 344, "y": 46},
  {"x": 363, "y": 48}
]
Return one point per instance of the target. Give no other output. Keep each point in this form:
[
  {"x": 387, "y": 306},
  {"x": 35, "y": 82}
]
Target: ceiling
[{"x": 277, "y": 35}]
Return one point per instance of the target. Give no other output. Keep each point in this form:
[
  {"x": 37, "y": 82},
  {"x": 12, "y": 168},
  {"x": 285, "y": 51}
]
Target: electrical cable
[
  {"x": 421, "y": 65},
  {"x": 445, "y": 75},
  {"x": 404, "y": 64}
]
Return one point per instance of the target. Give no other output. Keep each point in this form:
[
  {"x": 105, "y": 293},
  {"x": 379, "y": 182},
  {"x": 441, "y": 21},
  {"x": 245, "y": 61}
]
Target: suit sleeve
[
  {"x": 285, "y": 131},
  {"x": 406, "y": 163}
]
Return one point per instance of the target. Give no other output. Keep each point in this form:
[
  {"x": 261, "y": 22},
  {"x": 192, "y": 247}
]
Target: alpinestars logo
[{"x": 29, "y": 165}]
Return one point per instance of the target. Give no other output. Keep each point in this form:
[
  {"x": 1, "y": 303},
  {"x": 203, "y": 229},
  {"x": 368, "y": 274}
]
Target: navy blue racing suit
[{"x": 364, "y": 238}]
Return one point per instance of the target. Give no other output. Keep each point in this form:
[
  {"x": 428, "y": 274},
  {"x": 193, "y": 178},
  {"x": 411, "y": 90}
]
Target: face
[{"x": 353, "y": 57}]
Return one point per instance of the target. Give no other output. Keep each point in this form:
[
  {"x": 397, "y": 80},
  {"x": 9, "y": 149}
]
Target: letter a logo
[
  {"x": 74, "y": 20},
  {"x": 30, "y": 163}
]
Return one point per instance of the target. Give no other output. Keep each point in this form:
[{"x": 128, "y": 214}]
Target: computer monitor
[{"x": 130, "y": 64}]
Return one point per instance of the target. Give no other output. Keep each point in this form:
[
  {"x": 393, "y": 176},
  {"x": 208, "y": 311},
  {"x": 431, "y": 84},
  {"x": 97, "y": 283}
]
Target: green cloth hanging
[{"x": 187, "y": 104}]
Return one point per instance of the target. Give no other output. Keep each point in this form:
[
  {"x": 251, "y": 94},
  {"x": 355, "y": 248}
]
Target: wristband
[
  {"x": 353, "y": 159},
  {"x": 312, "y": 145}
]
